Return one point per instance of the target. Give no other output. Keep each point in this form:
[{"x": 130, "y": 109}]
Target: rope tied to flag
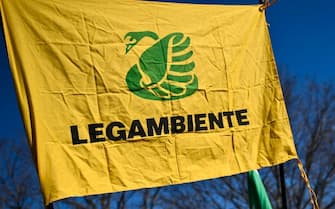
[
  {"x": 312, "y": 195},
  {"x": 267, "y": 4}
]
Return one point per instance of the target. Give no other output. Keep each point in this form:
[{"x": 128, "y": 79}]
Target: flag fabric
[
  {"x": 258, "y": 197},
  {"x": 123, "y": 94}
]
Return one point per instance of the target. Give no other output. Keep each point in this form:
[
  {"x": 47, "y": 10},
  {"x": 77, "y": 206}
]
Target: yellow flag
[{"x": 124, "y": 94}]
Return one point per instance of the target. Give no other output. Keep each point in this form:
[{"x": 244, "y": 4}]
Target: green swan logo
[{"x": 164, "y": 71}]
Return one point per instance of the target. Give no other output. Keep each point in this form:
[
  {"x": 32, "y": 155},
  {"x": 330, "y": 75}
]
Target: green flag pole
[{"x": 258, "y": 198}]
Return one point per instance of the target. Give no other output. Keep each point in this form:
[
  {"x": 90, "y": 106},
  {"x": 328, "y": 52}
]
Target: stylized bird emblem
[{"x": 164, "y": 71}]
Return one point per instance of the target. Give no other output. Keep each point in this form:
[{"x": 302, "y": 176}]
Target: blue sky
[
  {"x": 303, "y": 41},
  {"x": 302, "y": 35}
]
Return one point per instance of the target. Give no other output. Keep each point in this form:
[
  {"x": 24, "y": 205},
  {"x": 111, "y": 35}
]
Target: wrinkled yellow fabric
[{"x": 69, "y": 63}]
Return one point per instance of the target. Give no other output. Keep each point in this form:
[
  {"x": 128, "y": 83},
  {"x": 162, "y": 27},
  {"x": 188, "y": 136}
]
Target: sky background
[{"x": 303, "y": 38}]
